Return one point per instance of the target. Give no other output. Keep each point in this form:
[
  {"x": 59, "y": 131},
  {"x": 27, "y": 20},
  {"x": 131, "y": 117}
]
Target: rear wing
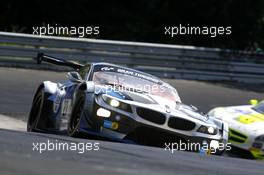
[{"x": 61, "y": 62}]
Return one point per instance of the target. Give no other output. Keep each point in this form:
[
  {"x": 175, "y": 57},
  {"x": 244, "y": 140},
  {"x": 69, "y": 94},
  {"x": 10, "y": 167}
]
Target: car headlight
[
  {"x": 117, "y": 104},
  {"x": 101, "y": 112},
  {"x": 207, "y": 130},
  {"x": 114, "y": 103}
]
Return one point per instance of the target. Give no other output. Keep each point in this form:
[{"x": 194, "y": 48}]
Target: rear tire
[{"x": 36, "y": 111}]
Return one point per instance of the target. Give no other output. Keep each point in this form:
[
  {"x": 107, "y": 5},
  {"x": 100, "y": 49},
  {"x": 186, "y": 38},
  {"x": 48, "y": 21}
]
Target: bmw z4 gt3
[{"x": 119, "y": 103}]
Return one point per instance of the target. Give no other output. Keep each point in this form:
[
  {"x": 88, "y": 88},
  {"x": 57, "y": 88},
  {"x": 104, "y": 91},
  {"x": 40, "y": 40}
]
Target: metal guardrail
[{"x": 167, "y": 61}]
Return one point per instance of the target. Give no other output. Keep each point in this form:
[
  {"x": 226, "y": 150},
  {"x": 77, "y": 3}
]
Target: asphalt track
[{"x": 18, "y": 157}]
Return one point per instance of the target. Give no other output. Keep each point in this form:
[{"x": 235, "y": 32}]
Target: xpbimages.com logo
[
  {"x": 205, "y": 147},
  {"x": 212, "y": 31},
  {"x": 55, "y": 30},
  {"x": 80, "y": 147}
]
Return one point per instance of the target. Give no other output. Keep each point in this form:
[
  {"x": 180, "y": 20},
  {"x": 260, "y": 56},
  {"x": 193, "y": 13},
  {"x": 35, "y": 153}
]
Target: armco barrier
[{"x": 167, "y": 61}]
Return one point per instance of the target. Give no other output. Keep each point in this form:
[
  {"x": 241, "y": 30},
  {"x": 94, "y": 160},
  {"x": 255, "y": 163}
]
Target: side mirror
[
  {"x": 74, "y": 76},
  {"x": 253, "y": 102}
]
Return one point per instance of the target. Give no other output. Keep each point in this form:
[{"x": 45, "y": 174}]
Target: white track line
[{"x": 12, "y": 123}]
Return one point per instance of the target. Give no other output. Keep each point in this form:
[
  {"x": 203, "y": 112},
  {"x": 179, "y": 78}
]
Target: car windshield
[
  {"x": 259, "y": 108},
  {"x": 134, "y": 81}
]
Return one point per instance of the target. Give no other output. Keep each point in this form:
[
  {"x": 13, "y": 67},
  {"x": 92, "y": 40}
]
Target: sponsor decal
[
  {"x": 110, "y": 125},
  {"x": 129, "y": 72},
  {"x": 250, "y": 118},
  {"x": 66, "y": 107},
  {"x": 107, "y": 68},
  {"x": 242, "y": 111},
  {"x": 56, "y": 103},
  {"x": 168, "y": 110}
]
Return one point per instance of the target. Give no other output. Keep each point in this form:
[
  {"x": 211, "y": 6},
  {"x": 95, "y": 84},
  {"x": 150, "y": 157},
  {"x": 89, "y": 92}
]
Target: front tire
[{"x": 76, "y": 115}]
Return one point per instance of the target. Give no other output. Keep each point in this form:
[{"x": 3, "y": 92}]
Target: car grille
[
  {"x": 237, "y": 136},
  {"x": 152, "y": 136},
  {"x": 152, "y": 116},
  {"x": 181, "y": 124}
]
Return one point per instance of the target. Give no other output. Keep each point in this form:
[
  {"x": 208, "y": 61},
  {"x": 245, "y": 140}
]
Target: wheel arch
[
  {"x": 87, "y": 86},
  {"x": 49, "y": 87},
  {"x": 87, "y": 121}
]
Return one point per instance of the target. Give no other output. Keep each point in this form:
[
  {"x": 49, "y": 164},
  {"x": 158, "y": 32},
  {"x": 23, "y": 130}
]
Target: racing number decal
[
  {"x": 56, "y": 103},
  {"x": 250, "y": 118},
  {"x": 66, "y": 107}
]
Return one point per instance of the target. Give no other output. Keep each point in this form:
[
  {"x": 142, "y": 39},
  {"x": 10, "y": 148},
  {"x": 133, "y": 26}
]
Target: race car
[
  {"x": 246, "y": 128},
  {"x": 119, "y": 103}
]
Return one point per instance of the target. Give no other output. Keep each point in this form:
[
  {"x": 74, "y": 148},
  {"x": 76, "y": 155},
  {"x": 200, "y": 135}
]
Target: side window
[{"x": 83, "y": 71}]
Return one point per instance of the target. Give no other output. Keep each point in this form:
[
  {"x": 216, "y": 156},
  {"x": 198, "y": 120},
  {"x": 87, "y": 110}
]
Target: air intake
[
  {"x": 152, "y": 116},
  {"x": 181, "y": 124}
]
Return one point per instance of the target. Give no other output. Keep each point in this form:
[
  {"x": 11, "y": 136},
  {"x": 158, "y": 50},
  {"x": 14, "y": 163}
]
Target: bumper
[
  {"x": 257, "y": 153},
  {"x": 119, "y": 126}
]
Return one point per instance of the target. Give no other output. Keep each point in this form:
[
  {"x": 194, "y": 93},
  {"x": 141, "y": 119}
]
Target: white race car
[{"x": 246, "y": 127}]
